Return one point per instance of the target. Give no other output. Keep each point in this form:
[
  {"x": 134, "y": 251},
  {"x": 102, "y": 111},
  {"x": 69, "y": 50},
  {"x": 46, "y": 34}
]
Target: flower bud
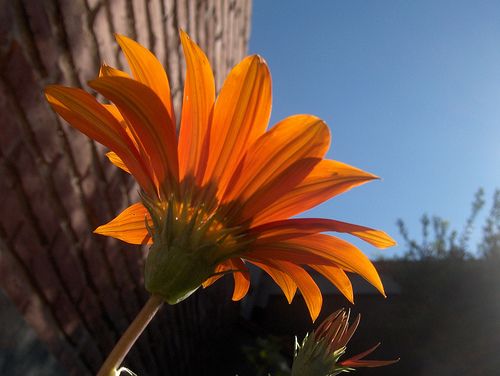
[{"x": 320, "y": 352}]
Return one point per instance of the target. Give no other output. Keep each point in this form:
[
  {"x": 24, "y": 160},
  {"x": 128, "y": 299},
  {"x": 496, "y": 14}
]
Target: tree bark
[{"x": 79, "y": 291}]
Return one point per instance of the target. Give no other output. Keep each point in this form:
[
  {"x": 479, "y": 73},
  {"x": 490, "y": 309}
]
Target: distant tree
[
  {"x": 440, "y": 242},
  {"x": 490, "y": 243}
]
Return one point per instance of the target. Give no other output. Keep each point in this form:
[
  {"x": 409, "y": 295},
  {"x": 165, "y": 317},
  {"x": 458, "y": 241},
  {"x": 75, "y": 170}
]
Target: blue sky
[{"x": 410, "y": 90}]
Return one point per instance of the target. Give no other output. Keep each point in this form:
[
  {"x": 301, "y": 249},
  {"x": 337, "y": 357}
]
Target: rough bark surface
[{"x": 79, "y": 291}]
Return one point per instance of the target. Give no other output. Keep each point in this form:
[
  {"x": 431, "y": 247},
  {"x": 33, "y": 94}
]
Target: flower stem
[{"x": 121, "y": 349}]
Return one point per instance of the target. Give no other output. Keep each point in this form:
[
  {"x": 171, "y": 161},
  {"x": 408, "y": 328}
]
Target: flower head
[
  {"x": 320, "y": 352},
  {"x": 219, "y": 194}
]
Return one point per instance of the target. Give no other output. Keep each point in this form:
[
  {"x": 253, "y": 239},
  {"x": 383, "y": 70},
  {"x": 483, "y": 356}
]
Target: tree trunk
[{"x": 78, "y": 290}]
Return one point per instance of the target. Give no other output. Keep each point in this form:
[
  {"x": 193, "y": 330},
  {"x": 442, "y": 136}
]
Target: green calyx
[
  {"x": 313, "y": 358},
  {"x": 175, "y": 273},
  {"x": 188, "y": 244}
]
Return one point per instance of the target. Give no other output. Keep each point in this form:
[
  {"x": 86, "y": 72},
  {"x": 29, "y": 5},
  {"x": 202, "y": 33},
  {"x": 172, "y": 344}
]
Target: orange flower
[{"x": 219, "y": 194}]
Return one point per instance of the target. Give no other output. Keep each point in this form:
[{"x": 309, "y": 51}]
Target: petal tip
[
  {"x": 184, "y": 38},
  {"x": 119, "y": 37},
  {"x": 99, "y": 230},
  {"x": 259, "y": 58}
]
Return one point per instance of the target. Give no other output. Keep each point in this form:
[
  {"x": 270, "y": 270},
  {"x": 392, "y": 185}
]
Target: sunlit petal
[
  {"x": 308, "y": 288},
  {"x": 295, "y": 227},
  {"x": 197, "y": 105},
  {"x": 338, "y": 278},
  {"x": 327, "y": 179},
  {"x": 107, "y": 70},
  {"x": 241, "y": 279},
  {"x": 149, "y": 119},
  {"x": 241, "y": 115},
  {"x": 327, "y": 250},
  {"x": 148, "y": 70},
  {"x": 283, "y": 280},
  {"x": 129, "y": 225},
  {"x": 116, "y": 160}
]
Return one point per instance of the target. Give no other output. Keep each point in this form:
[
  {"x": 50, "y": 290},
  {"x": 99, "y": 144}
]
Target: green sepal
[{"x": 175, "y": 273}]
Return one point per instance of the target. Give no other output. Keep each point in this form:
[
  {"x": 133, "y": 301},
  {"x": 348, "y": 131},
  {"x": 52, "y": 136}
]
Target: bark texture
[{"x": 79, "y": 291}]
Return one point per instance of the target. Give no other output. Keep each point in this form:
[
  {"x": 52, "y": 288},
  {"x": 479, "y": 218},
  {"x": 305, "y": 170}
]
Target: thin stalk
[{"x": 121, "y": 349}]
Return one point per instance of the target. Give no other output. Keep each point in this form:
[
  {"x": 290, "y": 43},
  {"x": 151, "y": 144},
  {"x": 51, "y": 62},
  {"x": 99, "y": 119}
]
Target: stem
[{"x": 121, "y": 349}]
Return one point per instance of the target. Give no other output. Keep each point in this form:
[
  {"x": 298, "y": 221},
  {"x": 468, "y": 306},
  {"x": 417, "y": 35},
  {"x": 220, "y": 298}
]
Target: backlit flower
[
  {"x": 219, "y": 193},
  {"x": 320, "y": 352}
]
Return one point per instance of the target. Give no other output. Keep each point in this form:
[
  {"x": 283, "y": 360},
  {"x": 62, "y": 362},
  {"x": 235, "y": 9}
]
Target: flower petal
[
  {"x": 132, "y": 135},
  {"x": 148, "y": 118},
  {"x": 219, "y": 269},
  {"x": 148, "y": 70},
  {"x": 278, "y": 186},
  {"x": 241, "y": 278},
  {"x": 346, "y": 336},
  {"x": 129, "y": 225},
  {"x": 83, "y": 112},
  {"x": 116, "y": 160},
  {"x": 328, "y": 250},
  {"x": 107, "y": 70},
  {"x": 241, "y": 115},
  {"x": 282, "y": 251},
  {"x": 357, "y": 361},
  {"x": 338, "y": 278},
  {"x": 308, "y": 288},
  {"x": 367, "y": 363},
  {"x": 283, "y": 280},
  {"x": 292, "y": 140},
  {"x": 197, "y": 105},
  {"x": 291, "y": 228},
  {"x": 327, "y": 179}
]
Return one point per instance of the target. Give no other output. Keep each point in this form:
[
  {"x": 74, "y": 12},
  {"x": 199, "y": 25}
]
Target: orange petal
[
  {"x": 308, "y": 288},
  {"x": 148, "y": 118},
  {"x": 113, "y": 110},
  {"x": 83, "y": 112},
  {"x": 275, "y": 153},
  {"x": 148, "y": 70},
  {"x": 327, "y": 179},
  {"x": 107, "y": 70},
  {"x": 275, "y": 189},
  {"x": 285, "y": 282},
  {"x": 241, "y": 115},
  {"x": 219, "y": 269},
  {"x": 130, "y": 132},
  {"x": 199, "y": 98},
  {"x": 116, "y": 160},
  {"x": 294, "y": 138},
  {"x": 241, "y": 278},
  {"x": 338, "y": 278},
  {"x": 129, "y": 225},
  {"x": 291, "y": 228},
  {"x": 282, "y": 251},
  {"x": 327, "y": 249}
]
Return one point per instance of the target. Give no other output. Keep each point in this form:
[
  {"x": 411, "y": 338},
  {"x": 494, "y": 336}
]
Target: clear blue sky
[{"x": 410, "y": 90}]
